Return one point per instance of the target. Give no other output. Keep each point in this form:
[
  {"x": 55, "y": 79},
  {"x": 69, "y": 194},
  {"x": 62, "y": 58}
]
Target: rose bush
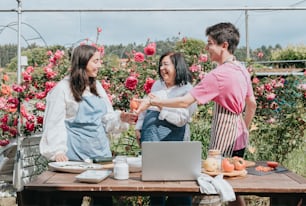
[
  {"x": 278, "y": 127},
  {"x": 28, "y": 98},
  {"x": 280, "y": 120},
  {"x": 133, "y": 78}
]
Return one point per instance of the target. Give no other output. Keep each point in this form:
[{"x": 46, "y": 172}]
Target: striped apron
[{"x": 224, "y": 130}]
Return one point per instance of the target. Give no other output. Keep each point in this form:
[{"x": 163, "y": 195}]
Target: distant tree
[
  {"x": 36, "y": 56},
  {"x": 192, "y": 48},
  {"x": 7, "y": 52},
  {"x": 240, "y": 54},
  {"x": 290, "y": 53}
]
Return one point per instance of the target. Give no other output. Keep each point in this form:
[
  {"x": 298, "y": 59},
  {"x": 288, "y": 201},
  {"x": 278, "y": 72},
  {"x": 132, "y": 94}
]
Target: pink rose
[
  {"x": 99, "y": 29},
  {"x": 270, "y": 96},
  {"x": 203, "y": 58},
  {"x": 40, "y": 95},
  {"x": 268, "y": 87},
  {"x": 195, "y": 68},
  {"x": 139, "y": 57},
  {"x": 49, "y": 53},
  {"x": 17, "y": 88},
  {"x": 255, "y": 80},
  {"x": 49, "y": 86},
  {"x": 40, "y": 106},
  {"x": 271, "y": 120},
  {"x": 29, "y": 69},
  {"x": 27, "y": 77},
  {"x": 260, "y": 55}
]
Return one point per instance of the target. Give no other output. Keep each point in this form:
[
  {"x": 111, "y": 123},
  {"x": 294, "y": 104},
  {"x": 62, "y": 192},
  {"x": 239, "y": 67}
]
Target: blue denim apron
[
  {"x": 86, "y": 135},
  {"x": 154, "y": 129}
]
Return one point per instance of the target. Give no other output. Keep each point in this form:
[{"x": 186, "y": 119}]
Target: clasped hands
[{"x": 146, "y": 103}]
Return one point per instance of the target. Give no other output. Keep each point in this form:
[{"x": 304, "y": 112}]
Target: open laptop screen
[{"x": 171, "y": 160}]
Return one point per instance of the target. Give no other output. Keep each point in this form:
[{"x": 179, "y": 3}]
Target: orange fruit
[{"x": 134, "y": 105}]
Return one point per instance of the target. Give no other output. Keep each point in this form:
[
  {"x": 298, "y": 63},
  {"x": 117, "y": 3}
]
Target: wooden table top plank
[{"x": 272, "y": 183}]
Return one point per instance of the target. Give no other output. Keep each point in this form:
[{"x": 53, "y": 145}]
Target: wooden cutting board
[{"x": 235, "y": 173}]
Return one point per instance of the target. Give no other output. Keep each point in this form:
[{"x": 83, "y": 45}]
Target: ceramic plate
[
  {"x": 93, "y": 176},
  {"x": 73, "y": 167},
  {"x": 134, "y": 164}
]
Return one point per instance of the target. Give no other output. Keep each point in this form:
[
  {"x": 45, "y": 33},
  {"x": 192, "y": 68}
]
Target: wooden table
[{"x": 54, "y": 185}]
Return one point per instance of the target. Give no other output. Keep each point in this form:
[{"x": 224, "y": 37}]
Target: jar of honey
[{"x": 215, "y": 156}]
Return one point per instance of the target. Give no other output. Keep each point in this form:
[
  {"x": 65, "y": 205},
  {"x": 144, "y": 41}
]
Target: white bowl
[{"x": 134, "y": 164}]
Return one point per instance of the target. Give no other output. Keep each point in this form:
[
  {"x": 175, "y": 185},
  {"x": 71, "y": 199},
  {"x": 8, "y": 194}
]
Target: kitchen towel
[{"x": 216, "y": 185}]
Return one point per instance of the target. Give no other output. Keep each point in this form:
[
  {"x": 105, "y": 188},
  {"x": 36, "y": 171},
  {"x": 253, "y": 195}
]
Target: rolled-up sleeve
[
  {"x": 54, "y": 136},
  {"x": 111, "y": 120}
]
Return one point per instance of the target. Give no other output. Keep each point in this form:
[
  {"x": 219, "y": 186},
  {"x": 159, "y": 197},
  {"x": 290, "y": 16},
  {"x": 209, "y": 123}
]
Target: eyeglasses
[{"x": 165, "y": 64}]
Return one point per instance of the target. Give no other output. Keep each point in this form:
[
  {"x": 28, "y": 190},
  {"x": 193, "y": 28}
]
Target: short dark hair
[
  {"x": 224, "y": 32},
  {"x": 183, "y": 75}
]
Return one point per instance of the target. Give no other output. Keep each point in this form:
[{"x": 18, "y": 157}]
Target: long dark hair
[
  {"x": 78, "y": 76},
  {"x": 183, "y": 75}
]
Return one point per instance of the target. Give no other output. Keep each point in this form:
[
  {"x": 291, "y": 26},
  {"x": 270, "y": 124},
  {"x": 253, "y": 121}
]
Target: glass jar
[
  {"x": 216, "y": 155},
  {"x": 121, "y": 168}
]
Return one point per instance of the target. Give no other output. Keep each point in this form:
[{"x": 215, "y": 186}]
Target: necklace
[{"x": 230, "y": 59}]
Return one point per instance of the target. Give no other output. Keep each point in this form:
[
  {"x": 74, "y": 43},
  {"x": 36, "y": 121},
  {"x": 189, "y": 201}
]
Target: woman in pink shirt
[{"x": 228, "y": 85}]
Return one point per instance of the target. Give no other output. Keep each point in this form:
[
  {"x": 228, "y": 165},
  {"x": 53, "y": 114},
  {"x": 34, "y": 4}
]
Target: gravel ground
[{"x": 7, "y": 194}]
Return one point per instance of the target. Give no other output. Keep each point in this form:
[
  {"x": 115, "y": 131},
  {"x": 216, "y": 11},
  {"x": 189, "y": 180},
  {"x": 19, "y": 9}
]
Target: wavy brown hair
[{"x": 79, "y": 79}]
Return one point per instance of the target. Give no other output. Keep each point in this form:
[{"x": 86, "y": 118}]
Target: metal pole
[
  {"x": 247, "y": 35},
  {"x": 17, "y": 167}
]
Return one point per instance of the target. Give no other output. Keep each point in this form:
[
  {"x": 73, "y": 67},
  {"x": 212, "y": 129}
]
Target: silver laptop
[{"x": 171, "y": 160}]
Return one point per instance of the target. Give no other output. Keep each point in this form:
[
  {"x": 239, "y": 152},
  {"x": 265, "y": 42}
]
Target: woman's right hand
[{"x": 61, "y": 157}]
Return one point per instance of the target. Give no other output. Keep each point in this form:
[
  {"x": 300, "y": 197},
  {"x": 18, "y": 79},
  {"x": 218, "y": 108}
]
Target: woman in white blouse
[
  {"x": 168, "y": 124},
  {"x": 78, "y": 113}
]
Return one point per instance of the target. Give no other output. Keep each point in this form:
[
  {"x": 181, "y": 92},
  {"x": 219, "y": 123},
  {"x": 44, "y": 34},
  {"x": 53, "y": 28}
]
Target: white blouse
[
  {"x": 175, "y": 116},
  {"x": 61, "y": 106}
]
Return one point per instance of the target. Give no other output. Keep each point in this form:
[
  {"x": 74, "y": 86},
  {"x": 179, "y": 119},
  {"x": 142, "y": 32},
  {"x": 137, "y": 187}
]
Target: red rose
[
  {"x": 131, "y": 83},
  {"x": 4, "y": 142},
  {"x": 4, "y": 127},
  {"x": 13, "y": 131},
  {"x": 148, "y": 85},
  {"x": 150, "y": 49},
  {"x": 105, "y": 84},
  {"x": 39, "y": 120},
  {"x": 30, "y": 126}
]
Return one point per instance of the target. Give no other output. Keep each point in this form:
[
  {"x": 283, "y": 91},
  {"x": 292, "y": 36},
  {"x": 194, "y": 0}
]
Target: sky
[{"x": 266, "y": 28}]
